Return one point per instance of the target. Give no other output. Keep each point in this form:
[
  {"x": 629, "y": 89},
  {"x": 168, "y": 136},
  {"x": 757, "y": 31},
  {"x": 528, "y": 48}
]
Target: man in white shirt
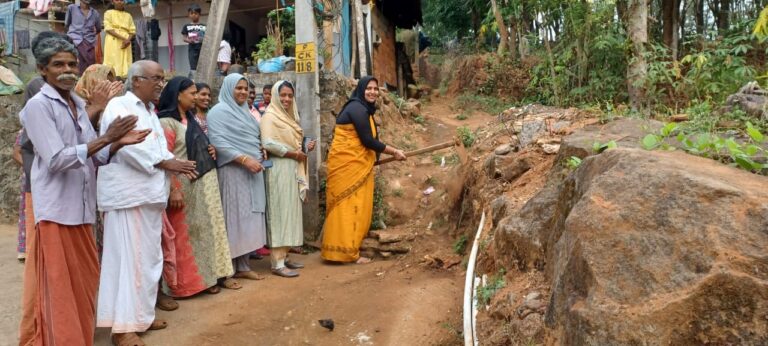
[
  {"x": 132, "y": 191},
  {"x": 225, "y": 55}
]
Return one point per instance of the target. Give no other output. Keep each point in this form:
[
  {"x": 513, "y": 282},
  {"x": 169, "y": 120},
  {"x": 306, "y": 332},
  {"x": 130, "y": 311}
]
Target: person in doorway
[
  {"x": 237, "y": 138},
  {"x": 63, "y": 266},
  {"x": 193, "y": 35},
  {"x": 266, "y": 93},
  {"x": 120, "y": 31},
  {"x": 83, "y": 23},
  {"x": 349, "y": 189},
  {"x": 194, "y": 208},
  {"x": 133, "y": 193},
  {"x": 287, "y": 180},
  {"x": 224, "y": 58}
]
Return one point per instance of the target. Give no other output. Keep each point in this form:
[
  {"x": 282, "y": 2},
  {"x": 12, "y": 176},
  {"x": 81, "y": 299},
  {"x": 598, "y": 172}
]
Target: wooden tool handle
[{"x": 428, "y": 149}]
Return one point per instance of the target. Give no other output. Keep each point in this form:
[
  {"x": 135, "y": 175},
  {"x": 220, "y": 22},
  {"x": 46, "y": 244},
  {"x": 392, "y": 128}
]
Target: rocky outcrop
[
  {"x": 647, "y": 248},
  {"x": 10, "y": 106}
]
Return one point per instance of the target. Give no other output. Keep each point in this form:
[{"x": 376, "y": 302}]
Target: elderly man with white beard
[
  {"x": 132, "y": 192},
  {"x": 63, "y": 269}
]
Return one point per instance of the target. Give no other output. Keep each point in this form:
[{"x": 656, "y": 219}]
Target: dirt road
[{"x": 382, "y": 303}]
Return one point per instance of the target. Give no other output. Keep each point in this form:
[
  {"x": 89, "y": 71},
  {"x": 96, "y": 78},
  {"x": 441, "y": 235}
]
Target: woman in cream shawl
[
  {"x": 287, "y": 179},
  {"x": 236, "y": 136}
]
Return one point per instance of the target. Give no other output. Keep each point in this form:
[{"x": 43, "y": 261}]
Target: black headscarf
[
  {"x": 169, "y": 98},
  {"x": 195, "y": 138},
  {"x": 358, "y": 95}
]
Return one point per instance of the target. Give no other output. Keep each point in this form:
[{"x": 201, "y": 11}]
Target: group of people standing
[
  {"x": 84, "y": 25},
  {"x": 186, "y": 194}
]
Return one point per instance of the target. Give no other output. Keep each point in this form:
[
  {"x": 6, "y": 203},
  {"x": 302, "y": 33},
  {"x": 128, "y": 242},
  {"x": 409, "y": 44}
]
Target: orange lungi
[{"x": 61, "y": 276}]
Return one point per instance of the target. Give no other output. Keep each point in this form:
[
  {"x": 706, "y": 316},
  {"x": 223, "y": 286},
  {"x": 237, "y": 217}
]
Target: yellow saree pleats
[{"x": 349, "y": 195}]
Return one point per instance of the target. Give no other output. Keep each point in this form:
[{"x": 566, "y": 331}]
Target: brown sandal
[
  {"x": 250, "y": 275},
  {"x": 158, "y": 324},
  {"x": 213, "y": 290},
  {"x": 231, "y": 284},
  {"x": 127, "y": 339},
  {"x": 166, "y": 303}
]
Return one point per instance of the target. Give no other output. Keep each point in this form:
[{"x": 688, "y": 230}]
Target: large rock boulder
[{"x": 648, "y": 248}]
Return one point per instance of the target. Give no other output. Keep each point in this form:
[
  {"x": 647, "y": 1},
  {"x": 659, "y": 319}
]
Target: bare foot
[
  {"x": 364, "y": 260},
  {"x": 127, "y": 339},
  {"x": 250, "y": 275}
]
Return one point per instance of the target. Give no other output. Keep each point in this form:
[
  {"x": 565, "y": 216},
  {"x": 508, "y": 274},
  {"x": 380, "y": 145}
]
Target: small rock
[
  {"x": 534, "y": 304},
  {"x": 415, "y": 104},
  {"x": 532, "y": 296},
  {"x": 385, "y": 254},
  {"x": 531, "y": 131},
  {"x": 551, "y": 148},
  {"x": 327, "y": 323},
  {"x": 560, "y": 126},
  {"x": 503, "y": 149}
]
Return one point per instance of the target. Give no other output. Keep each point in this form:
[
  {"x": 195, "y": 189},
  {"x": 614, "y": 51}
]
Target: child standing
[
  {"x": 225, "y": 55},
  {"x": 193, "y": 35}
]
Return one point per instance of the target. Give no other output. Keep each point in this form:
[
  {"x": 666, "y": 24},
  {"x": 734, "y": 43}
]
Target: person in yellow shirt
[{"x": 117, "y": 46}]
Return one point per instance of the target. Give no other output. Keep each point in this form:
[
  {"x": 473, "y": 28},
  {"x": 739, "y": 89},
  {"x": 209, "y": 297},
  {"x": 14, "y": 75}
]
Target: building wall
[
  {"x": 254, "y": 28},
  {"x": 26, "y": 68},
  {"x": 384, "y": 55}
]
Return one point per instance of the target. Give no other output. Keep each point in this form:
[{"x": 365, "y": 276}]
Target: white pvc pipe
[{"x": 470, "y": 338}]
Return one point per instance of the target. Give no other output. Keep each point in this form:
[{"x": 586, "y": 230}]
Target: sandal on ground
[
  {"x": 250, "y": 275},
  {"x": 166, "y": 303},
  {"x": 213, "y": 290},
  {"x": 363, "y": 260},
  {"x": 127, "y": 339},
  {"x": 285, "y": 272},
  {"x": 158, "y": 324},
  {"x": 230, "y": 283},
  {"x": 293, "y": 265}
]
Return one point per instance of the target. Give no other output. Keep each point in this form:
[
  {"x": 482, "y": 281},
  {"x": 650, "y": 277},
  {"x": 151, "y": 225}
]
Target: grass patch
[
  {"x": 460, "y": 245},
  {"x": 489, "y": 104},
  {"x": 486, "y": 293},
  {"x": 450, "y": 160},
  {"x": 466, "y": 135},
  {"x": 398, "y": 192}
]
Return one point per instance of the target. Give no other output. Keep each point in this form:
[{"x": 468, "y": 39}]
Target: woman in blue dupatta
[{"x": 237, "y": 138}]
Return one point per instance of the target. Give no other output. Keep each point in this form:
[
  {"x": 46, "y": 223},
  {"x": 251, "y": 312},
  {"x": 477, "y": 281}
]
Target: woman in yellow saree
[{"x": 349, "y": 188}]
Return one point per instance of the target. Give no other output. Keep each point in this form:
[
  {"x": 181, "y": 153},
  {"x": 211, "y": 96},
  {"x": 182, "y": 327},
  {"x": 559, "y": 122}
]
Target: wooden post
[
  {"x": 360, "y": 28},
  {"x": 308, "y": 103},
  {"x": 217, "y": 20}
]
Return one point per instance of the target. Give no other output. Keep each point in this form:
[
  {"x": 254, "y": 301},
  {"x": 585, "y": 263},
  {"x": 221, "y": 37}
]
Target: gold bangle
[{"x": 242, "y": 161}]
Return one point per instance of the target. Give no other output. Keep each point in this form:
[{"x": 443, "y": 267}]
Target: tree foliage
[{"x": 702, "y": 51}]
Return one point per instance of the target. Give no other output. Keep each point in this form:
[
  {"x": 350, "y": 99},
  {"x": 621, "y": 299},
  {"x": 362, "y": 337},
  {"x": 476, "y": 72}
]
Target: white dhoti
[{"x": 130, "y": 268}]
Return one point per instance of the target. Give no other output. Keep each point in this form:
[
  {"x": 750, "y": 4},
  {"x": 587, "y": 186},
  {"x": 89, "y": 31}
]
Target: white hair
[{"x": 137, "y": 69}]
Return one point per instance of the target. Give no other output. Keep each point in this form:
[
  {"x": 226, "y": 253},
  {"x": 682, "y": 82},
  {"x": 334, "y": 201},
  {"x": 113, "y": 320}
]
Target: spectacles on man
[{"x": 154, "y": 79}]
